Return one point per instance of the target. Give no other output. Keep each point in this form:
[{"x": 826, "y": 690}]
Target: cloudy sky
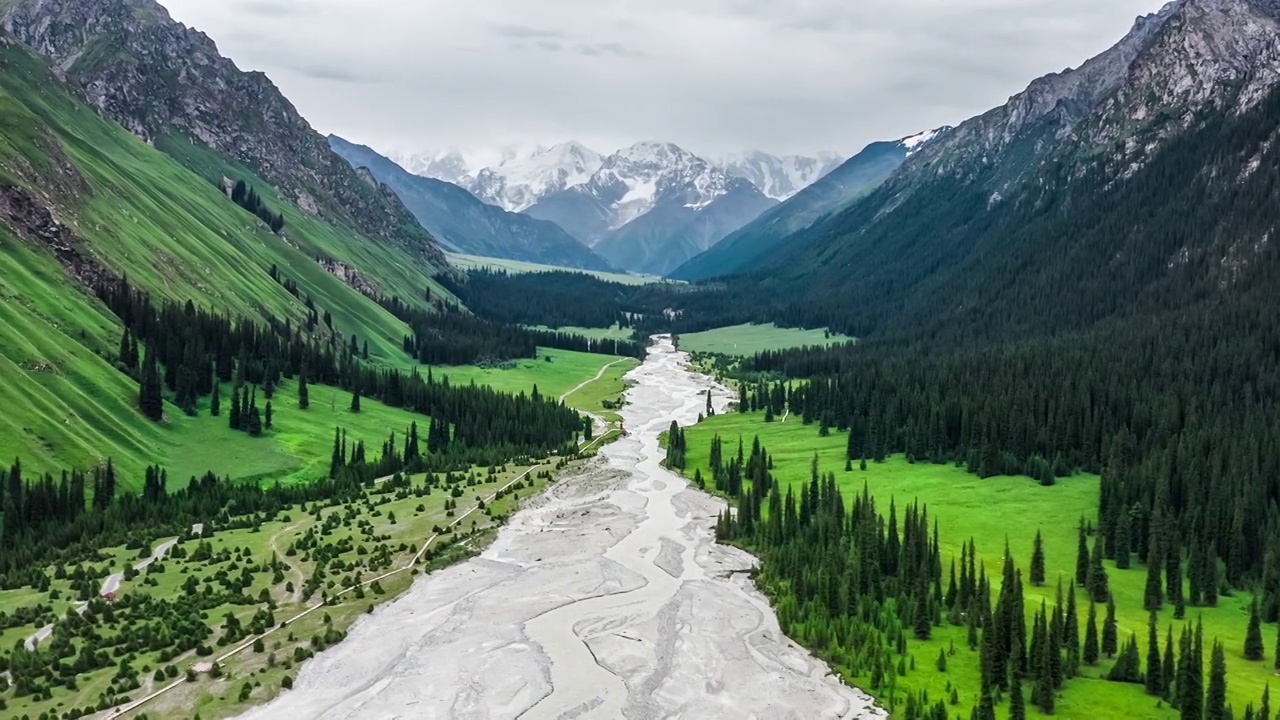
[{"x": 712, "y": 75}]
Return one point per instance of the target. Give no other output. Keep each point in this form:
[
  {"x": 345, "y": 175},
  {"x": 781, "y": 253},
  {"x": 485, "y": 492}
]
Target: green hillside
[{"x": 139, "y": 212}]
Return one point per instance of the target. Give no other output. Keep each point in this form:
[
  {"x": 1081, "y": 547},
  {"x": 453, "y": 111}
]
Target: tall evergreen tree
[
  {"x": 1215, "y": 701},
  {"x": 1253, "y": 645},
  {"x": 1037, "y": 562},
  {"x": 1109, "y": 639},
  {"x": 1082, "y": 558},
  {"x": 1097, "y": 585},
  {"x": 355, "y": 398},
  {"x": 304, "y": 395},
  {"x": 1154, "y": 675},
  {"x": 150, "y": 399},
  {"x": 1090, "y": 652},
  {"x": 215, "y": 401}
]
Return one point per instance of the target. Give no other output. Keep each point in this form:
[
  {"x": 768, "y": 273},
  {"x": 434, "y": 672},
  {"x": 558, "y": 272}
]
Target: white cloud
[{"x": 713, "y": 75}]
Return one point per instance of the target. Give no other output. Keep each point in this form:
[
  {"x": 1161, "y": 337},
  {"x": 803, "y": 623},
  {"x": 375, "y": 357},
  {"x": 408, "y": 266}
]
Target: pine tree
[
  {"x": 1017, "y": 705},
  {"x": 304, "y": 396},
  {"x": 1090, "y": 652},
  {"x": 1082, "y": 559},
  {"x": 1037, "y": 562},
  {"x": 1264, "y": 710},
  {"x": 1071, "y": 636},
  {"x": 1152, "y": 598},
  {"x": 1215, "y": 701},
  {"x": 1154, "y": 676},
  {"x": 150, "y": 398},
  {"x": 1191, "y": 676},
  {"x": 235, "y": 418},
  {"x": 266, "y": 421},
  {"x": 355, "y": 397},
  {"x": 1253, "y": 644},
  {"x": 1168, "y": 666},
  {"x": 215, "y": 402},
  {"x": 1097, "y": 575},
  {"x": 1109, "y": 630}
]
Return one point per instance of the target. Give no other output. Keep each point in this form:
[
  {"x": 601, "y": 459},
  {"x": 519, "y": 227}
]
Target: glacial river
[{"x": 606, "y": 597}]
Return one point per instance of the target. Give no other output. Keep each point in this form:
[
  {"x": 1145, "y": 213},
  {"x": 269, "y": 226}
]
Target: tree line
[
  {"x": 859, "y": 587},
  {"x": 246, "y": 197},
  {"x": 188, "y": 350}
]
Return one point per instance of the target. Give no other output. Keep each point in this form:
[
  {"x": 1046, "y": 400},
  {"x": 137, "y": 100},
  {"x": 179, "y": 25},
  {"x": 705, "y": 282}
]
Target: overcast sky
[{"x": 710, "y": 75}]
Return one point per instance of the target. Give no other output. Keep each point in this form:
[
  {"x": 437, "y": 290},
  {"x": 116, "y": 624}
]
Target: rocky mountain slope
[
  {"x": 762, "y": 237},
  {"x": 673, "y": 231},
  {"x": 466, "y": 224},
  {"x": 1139, "y": 180},
  {"x": 168, "y": 84}
]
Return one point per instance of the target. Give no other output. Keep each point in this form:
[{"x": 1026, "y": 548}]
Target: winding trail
[
  {"x": 605, "y": 597},
  {"x": 585, "y": 383}
]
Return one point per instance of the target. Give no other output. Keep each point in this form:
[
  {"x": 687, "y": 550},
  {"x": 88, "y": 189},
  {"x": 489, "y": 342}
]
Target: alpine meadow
[{"x": 440, "y": 413}]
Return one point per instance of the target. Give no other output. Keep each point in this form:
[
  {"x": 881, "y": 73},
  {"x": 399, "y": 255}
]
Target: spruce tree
[
  {"x": 1017, "y": 705},
  {"x": 1154, "y": 676},
  {"x": 1215, "y": 701},
  {"x": 1276, "y": 655},
  {"x": 355, "y": 398},
  {"x": 1109, "y": 630},
  {"x": 150, "y": 398},
  {"x": 215, "y": 402},
  {"x": 1090, "y": 652},
  {"x": 1082, "y": 559},
  {"x": 1191, "y": 677},
  {"x": 1152, "y": 597},
  {"x": 1097, "y": 575},
  {"x": 1253, "y": 644},
  {"x": 266, "y": 420},
  {"x": 235, "y": 419},
  {"x": 1264, "y": 709},
  {"x": 1169, "y": 666},
  {"x": 1037, "y": 562},
  {"x": 1071, "y": 635},
  {"x": 304, "y": 396}
]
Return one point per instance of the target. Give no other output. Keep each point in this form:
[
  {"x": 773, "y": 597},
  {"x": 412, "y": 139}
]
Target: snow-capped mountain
[
  {"x": 779, "y": 177},
  {"x": 519, "y": 181},
  {"x": 597, "y": 197},
  {"x": 457, "y": 165}
]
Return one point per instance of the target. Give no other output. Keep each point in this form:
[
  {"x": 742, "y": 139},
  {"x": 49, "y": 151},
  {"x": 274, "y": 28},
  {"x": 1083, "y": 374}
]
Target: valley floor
[{"x": 606, "y": 597}]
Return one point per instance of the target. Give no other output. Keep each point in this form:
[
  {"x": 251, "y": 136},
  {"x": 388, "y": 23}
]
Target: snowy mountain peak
[
  {"x": 518, "y": 182},
  {"x": 779, "y": 177},
  {"x": 915, "y": 142}
]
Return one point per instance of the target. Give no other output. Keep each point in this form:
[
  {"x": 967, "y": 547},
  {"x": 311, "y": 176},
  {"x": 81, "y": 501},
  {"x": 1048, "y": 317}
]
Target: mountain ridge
[
  {"x": 167, "y": 83},
  {"x": 464, "y": 222},
  {"x": 1024, "y": 198}
]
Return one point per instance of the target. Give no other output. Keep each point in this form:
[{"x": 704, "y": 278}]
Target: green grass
[
  {"x": 554, "y": 372},
  {"x": 518, "y": 266},
  {"x": 752, "y": 339},
  {"x": 994, "y": 511},
  {"x": 608, "y": 388}
]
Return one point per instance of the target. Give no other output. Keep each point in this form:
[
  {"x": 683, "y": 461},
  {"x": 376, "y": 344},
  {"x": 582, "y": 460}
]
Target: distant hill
[
  {"x": 463, "y": 223},
  {"x": 854, "y": 178}
]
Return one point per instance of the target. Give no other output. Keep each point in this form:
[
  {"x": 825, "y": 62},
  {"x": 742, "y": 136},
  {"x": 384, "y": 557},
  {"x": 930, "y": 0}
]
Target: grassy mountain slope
[
  {"x": 134, "y": 210},
  {"x": 134, "y": 64}
]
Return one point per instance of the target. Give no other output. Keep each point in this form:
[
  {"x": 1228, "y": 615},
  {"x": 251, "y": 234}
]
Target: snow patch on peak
[{"x": 915, "y": 142}]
